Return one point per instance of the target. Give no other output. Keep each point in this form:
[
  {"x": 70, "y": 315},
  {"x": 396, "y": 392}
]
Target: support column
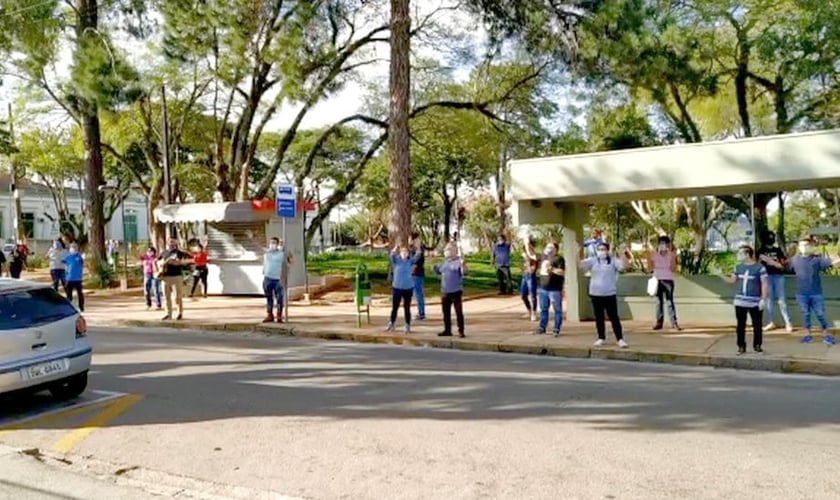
[{"x": 578, "y": 307}]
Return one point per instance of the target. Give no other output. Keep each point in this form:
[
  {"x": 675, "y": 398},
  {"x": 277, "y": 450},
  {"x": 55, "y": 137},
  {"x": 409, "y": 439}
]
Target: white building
[{"x": 40, "y": 217}]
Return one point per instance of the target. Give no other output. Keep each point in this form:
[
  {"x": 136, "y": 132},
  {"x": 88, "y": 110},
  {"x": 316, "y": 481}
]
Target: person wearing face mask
[
  {"x": 57, "y": 271},
  {"x": 552, "y": 272},
  {"x": 603, "y": 277},
  {"x": 774, "y": 259},
  {"x": 663, "y": 263},
  {"x": 528, "y": 286},
  {"x": 418, "y": 274},
  {"x": 275, "y": 264},
  {"x": 402, "y": 286},
  {"x": 500, "y": 257},
  {"x": 750, "y": 297},
  {"x": 452, "y": 271},
  {"x": 150, "y": 281},
  {"x": 807, "y": 267},
  {"x": 173, "y": 262},
  {"x": 74, "y": 263}
]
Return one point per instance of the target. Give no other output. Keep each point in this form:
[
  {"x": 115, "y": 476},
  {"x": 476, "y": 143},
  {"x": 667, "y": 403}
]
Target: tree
[{"x": 399, "y": 225}]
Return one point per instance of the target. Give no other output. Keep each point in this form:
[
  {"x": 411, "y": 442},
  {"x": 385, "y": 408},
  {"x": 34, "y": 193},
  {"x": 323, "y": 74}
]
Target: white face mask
[
  {"x": 602, "y": 254},
  {"x": 74, "y": 250},
  {"x": 403, "y": 255},
  {"x": 805, "y": 249},
  {"x": 663, "y": 248},
  {"x": 742, "y": 257},
  {"x": 273, "y": 246}
]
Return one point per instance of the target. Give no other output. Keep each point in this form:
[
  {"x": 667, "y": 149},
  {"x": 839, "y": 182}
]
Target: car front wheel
[{"x": 70, "y": 387}]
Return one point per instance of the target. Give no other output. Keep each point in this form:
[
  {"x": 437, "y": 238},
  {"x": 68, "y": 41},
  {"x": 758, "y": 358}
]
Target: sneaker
[
  {"x": 742, "y": 350},
  {"x": 828, "y": 339},
  {"x": 556, "y": 333},
  {"x": 807, "y": 339},
  {"x": 165, "y": 318},
  {"x": 789, "y": 328},
  {"x": 420, "y": 318},
  {"x": 179, "y": 317},
  {"x": 622, "y": 343},
  {"x": 758, "y": 349},
  {"x": 461, "y": 334},
  {"x": 676, "y": 327},
  {"x": 657, "y": 326},
  {"x": 539, "y": 331},
  {"x": 533, "y": 316},
  {"x": 444, "y": 334},
  {"x": 599, "y": 343},
  {"x": 407, "y": 329},
  {"x": 390, "y": 327},
  {"x": 268, "y": 318},
  {"x": 769, "y": 327}
]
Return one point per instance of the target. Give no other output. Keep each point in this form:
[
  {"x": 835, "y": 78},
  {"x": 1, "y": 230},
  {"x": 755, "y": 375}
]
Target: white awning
[{"x": 211, "y": 212}]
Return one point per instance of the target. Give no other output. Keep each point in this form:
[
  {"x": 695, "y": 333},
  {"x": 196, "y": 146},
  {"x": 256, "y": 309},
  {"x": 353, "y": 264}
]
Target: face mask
[
  {"x": 74, "y": 250},
  {"x": 56, "y": 246},
  {"x": 602, "y": 254},
  {"x": 663, "y": 248},
  {"x": 805, "y": 249},
  {"x": 403, "y": 255},
  {"x": 741, "y": 257},
  {"x": 272, "y": 246}
]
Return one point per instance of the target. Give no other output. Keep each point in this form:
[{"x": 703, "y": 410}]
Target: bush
[
  {"x": 102, "y": 275},
  {"x": 36, "y": 261}
]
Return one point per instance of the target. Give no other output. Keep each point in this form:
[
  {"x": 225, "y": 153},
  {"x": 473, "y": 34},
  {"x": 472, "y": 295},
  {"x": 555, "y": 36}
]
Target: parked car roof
[{"x": 12, "y": 285}]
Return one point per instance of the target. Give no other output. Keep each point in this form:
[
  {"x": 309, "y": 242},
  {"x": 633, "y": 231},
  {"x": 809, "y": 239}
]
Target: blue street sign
[{"x": 286, "y": 201}]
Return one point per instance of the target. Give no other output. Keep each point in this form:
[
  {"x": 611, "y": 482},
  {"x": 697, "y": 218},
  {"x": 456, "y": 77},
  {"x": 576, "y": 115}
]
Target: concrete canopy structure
[{"x": 558, "y": 190}]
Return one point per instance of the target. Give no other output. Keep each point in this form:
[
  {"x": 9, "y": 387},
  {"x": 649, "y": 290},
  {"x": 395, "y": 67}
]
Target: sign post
[{"x": 286, "y": 204}]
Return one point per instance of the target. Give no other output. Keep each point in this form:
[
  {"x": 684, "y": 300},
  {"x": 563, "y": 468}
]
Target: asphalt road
[{"x": 217, "y": 416}]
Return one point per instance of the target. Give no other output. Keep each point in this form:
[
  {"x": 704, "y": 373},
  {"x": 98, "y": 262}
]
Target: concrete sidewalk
[{"x": 493, "y": 324}]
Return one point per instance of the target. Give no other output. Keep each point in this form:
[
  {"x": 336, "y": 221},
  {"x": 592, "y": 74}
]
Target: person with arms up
[
  {"x": 590, "y": 246},
  {"x": 418, "y": 274},
  {"x": 807, "y": 267},
  {"x": 500, "y": 257},
  {"x": 663, "y": 263},
  {"x": 452, "y": 271},
  {"x": 774, "y": 260},
  {"x": 402, "y": 285},
  {"x": 275, "y": 265},
  {"x": 528, "y": 286},
  {"x": 55, "y": 255},
  {"x": 20, "y": 253},
  {"x": 603, "y": 278},
  {"x": 172, "y": 262},
  {"x": 151, "y": 283},
  {"x": 750, "y": 278},
  {"x": 200, "y": 272},
  {"x": 552, "y": 272},
  {"x": 74, "y": 263}
]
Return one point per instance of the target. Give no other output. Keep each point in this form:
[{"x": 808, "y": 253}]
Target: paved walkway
[{"x": 493, "y": 324}]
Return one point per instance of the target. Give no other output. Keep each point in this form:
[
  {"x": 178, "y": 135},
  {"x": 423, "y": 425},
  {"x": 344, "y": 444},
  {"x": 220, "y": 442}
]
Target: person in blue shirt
[
  {"x": 752, "y": 284},
  {"x": 590, "y": 246},
  {"x": 402, "y": 285},
  {"x": 275, "y": 264},
  {"x": 452, "y": 271},
  {"x": 807, "y": 267},
  {"x": 74, "y": 265},
  {"x": 501, "y": 260}
]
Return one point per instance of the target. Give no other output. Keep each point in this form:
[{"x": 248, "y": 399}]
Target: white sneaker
[
  {"x": 622, "y": 343},
  {"x": 599, "y": 343},
  {"x": 407, "y": 328},
  {"x": 390, "y": 327},
  {"x": 789, "y": 328},
  {"x": 533, "y": 316},
  {"x": 770, "y": 326}
]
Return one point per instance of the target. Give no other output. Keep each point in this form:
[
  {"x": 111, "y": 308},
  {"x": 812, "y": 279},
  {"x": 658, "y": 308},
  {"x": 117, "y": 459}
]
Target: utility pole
[
  {"x": 14, "y": 186},
  {"x": 167, "y": 173}
]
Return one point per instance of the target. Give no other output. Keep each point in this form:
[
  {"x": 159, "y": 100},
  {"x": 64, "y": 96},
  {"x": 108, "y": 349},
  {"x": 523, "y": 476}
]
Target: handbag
[{"x": 652, "y": 286}]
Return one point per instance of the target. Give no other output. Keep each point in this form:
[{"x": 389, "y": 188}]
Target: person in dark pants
[
  {"x": 58, "y": 274},
  {"x": 402, "y": 286},
  {"x": 501, "y": 259},
  {"x": 750, "y": 276},
  {"x": 604, "y": 270},
  {"x": 74, "y": 263},
  {"x": 418, "y": 274},
  {"x": 200, "y": 260},
  {"x": 452, "y": 271},
  {"x": 663, "y": 264}
]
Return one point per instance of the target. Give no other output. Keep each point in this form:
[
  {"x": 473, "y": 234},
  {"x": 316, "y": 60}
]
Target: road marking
[
  {"x": 111, "y": 412},
  {"x": 52, "y": 414}
]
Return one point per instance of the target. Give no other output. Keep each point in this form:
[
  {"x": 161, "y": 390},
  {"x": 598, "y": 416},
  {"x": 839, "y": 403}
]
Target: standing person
[
  {"x": 806, "y": 267},
  {"x": 74, "y": 263},
  {"x": 603, "y": 270},
  {"x": 750, "y": 297},
  {"x": 55, "y": 255},
  {"x": 2, "y": 261},
  {"x": 590, "y": 246},
  {"x": 418, "y": 274},
  {"x": 201, "y": 259},
  {"x": 19, "y": 255},
  {"x": 552, "y": 272},
  {"x": 501, "y": 260},
  {"x": 402, "y": 285},
  {"x": 172, "y": 262},
  {"x": 528, "y": 286},
  {"x": 663, "y": 263},
  {"x": 452, "y": 271},
  {"x": 774, "y": 260},
  {"x": 151, "y": 283},
  {"x": 275, "y": 264}
]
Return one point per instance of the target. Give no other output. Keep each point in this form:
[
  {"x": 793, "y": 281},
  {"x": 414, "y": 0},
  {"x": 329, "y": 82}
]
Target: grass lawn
[{"x": 481, "y": 277}]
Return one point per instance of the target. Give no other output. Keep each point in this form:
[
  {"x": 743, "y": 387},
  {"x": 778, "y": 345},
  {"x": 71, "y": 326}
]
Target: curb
[{"x": 767, "y": 364}]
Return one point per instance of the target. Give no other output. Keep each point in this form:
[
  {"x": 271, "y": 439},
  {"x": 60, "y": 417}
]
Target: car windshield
[{"x": 30, "y": 308}]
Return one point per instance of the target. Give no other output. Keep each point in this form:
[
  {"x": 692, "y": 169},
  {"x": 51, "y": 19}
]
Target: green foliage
[{"x": 102, "y": 274}]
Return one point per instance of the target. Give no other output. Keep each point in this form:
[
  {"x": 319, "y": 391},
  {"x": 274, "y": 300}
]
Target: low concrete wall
[{"x": 708, "y": 300}]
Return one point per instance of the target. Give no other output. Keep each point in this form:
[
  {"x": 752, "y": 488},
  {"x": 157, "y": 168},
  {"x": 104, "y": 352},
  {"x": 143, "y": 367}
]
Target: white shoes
[
  {"x": 770, "y": 326},
  {"x": 533, "y": 316},
  {"x": 622, "y": 344},
  {"x": 599, "y": 343},
  {"x": 789, "y": 328}
]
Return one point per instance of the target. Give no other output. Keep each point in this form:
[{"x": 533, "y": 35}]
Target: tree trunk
[
  {"x": 398, "y": 136},
  {"x": 780, "y": 225},
  {"x": 741, "y": 75},
  {"x": 501, "y": 192},
  {"x": 448, "y": 205}
]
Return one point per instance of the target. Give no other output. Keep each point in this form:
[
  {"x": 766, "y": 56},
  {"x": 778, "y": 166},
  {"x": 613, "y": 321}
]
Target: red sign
[{"x": 260, "y": 205}]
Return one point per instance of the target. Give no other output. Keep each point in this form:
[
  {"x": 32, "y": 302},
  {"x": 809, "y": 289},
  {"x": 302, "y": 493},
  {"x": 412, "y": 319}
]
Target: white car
[{"x": 43, "y": 341}]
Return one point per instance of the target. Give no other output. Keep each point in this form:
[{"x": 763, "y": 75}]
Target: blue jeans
[
  {"x": 554, "y": 297},
  {"x": 419, "y": 281},
  {"x": 812, "y": 303},
  {"x": 150, "y": 283},
  {"x": 58, "y": 278},
  {"x": 273, "y": 292},
  {"x": 528, "y": 291},
  {"x": 776, "y": 288}
]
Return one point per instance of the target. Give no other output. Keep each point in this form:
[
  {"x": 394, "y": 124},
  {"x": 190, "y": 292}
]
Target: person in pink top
[
  {"x": 150, "y": 278},
  {"x": 663, "y": 263}
]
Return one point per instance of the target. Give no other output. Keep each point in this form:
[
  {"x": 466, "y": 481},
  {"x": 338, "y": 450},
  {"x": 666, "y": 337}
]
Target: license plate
[{"x": 45, "y": 369}]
